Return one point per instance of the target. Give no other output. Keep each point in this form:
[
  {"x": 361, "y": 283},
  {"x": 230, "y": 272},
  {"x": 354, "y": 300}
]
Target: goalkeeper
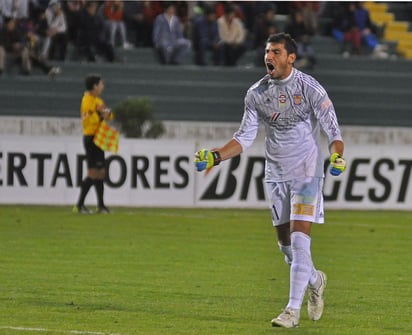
[{"x": 293, "y": 108}]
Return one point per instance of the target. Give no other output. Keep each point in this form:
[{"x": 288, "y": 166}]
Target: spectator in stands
[
  {"x": 114, "y": 13},
  {"x": 91, "y": 39},
  {"x": 265, "y": 26},
  {"x": 40, "y": 3},
  {"x": 17, "y": 9},
  {"x": 368, "y": 31},
  {"x": 309, "y": 11},
  {"x": 140, "y": 16},
  {"x": 182, "y": 12},
  {"x": 248, "y": 11},
  {"x": 38, "y": 22},
  {"x": 232, "y": 36},
  {"x": 72, "y": 10},
  {"x": 33, "y": 43},
  {"x": 302, "y": 33},
  {"x": 12, "y": 46},
  {"x": 205, "y": 36},
  {"x": 344, "y": 29},
  {"x": 365, "y": 25},
  {"x": 221, "y": 7},
  {"x": 55, "y": 43},
  {"x": 168, "y": 38}
]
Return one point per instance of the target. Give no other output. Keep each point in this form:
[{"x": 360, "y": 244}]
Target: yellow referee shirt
[{"x": 89, "y": 112}]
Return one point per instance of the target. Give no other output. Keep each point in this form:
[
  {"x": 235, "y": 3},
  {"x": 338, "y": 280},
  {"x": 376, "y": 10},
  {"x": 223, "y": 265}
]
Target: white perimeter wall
[{"x": 38, "y": 169}]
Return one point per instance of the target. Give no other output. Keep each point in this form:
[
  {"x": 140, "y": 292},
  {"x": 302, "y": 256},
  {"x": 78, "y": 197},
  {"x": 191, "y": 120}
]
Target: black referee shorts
[{"x": 94, "y": 155}]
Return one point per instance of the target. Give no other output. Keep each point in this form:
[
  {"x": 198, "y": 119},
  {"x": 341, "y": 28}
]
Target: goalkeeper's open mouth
[{"x": 270, "y": 67}]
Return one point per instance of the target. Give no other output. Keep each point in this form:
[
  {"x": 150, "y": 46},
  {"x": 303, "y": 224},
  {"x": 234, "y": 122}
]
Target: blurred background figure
[
  {"x": 91, "y": 35},
  {"x": 344, "y": 29},
  {"x": 205, "y": 36},
  {"x": 71, "y": 10},
  {"x": 265, "y": 25},
  {"x": 13, "y": 48},
  {"x": 114, "y": 13},
  {"x": 232, "y": 36},
  {"x": 17, "y": 9},
  {"x": 34, "y": 45},
  {"x": 369, "y": 32},
  {"x": 55, "y": 43},
  {"x": 170, "y": 44},
  {"x": 302, "y": 32},
  {"x": 140, "y": 16}
]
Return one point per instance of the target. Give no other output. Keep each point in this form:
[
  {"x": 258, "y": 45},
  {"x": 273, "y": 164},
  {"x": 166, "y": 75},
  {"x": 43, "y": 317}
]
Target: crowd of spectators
[
  {"x": 36, "y": 32},
  {"x": 353, "y": 28}
]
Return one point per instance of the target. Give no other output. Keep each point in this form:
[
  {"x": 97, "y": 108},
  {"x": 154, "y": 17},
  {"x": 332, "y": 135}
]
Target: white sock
[
  {"x": 287, "y": 251},
  {"x": 301, "y": 270},
  {"x": 314, "y": 280}
]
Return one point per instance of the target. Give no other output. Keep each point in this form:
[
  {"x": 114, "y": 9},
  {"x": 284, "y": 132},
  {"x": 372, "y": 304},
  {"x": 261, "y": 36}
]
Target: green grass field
[{"x": 195, "y": 271}]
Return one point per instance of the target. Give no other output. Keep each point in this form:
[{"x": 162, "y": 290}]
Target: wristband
[{"x": 216, "y": 157}]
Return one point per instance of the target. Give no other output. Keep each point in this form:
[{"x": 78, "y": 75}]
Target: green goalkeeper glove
[
  {"x": 337, "y": 164},
  {"x": 205, "y": 159}
]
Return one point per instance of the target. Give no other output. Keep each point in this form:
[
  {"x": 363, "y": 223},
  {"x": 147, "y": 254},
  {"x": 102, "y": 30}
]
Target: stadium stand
[{"x": 365, "y": 91}]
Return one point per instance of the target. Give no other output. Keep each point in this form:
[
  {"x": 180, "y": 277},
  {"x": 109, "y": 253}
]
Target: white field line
[{"x": 45, "y": 330}]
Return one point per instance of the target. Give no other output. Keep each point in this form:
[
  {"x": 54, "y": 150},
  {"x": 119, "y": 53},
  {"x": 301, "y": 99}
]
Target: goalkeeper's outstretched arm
[{"x": 229, "y": 150}]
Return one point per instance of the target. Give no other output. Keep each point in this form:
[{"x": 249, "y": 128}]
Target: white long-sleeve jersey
[{"x": 293, "y": 111}]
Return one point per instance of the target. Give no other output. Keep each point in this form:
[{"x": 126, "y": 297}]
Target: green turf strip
[{"x": 195, "y": 271}]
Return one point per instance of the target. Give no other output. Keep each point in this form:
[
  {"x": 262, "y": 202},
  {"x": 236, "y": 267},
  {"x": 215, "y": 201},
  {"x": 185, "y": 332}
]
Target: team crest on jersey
[
  {"x": 282, "y": 98},
  {"x": 297, "y": 99}
]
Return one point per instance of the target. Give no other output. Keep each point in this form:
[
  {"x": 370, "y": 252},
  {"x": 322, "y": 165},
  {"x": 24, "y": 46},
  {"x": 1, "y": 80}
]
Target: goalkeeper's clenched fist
[
  {"x": 205, "y": 159},
  {"x": 337, "y": 164}
]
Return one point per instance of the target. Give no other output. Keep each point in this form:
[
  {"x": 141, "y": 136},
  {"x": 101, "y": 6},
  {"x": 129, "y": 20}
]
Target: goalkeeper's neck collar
[{"x": 281, "y": 82}]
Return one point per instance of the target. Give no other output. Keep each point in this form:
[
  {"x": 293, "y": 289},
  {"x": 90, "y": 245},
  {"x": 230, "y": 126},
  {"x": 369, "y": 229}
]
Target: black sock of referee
[
  {"x": 84, "y": 189},
  {"x": 99, "y": 191}
]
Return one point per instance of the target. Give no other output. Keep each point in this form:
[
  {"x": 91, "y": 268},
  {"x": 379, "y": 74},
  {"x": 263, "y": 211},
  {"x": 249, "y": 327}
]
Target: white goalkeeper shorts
[{"x": 299, "y": 199}]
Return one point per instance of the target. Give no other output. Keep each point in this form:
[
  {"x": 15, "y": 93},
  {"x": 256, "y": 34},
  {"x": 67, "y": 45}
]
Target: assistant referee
[{"x": 92, "y": 112}]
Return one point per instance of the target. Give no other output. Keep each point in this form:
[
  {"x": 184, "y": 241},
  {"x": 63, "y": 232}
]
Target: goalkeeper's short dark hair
[
  {"x": 91, "y": 80},
  {"x": 284, "y": 38}
]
